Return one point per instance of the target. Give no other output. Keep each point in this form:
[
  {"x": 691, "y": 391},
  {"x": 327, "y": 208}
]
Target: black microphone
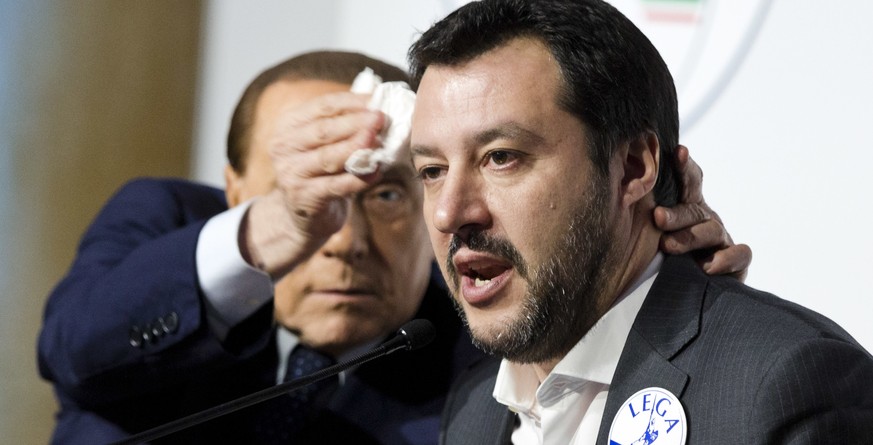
[{"x": 411, "y": 336}]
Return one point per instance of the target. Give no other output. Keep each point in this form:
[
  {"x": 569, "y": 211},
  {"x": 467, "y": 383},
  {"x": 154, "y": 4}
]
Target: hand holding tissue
[{"x": 397, "y": 101}]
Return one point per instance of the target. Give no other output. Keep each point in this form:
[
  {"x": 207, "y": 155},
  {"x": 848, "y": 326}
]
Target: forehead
[
  {"x": 277, "y": 98},
  {"x": 291, "y": 93},
  {"x": 514, "y": 86}
]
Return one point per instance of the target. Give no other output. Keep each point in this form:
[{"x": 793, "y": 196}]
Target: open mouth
[{"x": 481, "y": 276}]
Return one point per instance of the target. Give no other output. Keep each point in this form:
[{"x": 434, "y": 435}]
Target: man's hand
[
  {"x": 691, "y": 226},
  {"x": 309, "y": 146}
]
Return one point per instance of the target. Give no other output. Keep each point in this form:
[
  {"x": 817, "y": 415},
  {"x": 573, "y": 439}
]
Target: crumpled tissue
[{"x": 397, "y": 101}]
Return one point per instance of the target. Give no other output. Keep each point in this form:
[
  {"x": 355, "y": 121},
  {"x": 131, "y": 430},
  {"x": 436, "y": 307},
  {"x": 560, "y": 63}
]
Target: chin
[
  {"x": 489, "y": 319},
  {"x": 340, "y": 333}
]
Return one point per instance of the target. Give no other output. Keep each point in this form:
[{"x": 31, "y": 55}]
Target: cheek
[
  {"x": 256, "y": 185},
  {"x": 404, "y": 248},
  {"x": 288, "y": 291},
  {"x": 531, "y": 218},
  {"x": 400, "y": 242}
]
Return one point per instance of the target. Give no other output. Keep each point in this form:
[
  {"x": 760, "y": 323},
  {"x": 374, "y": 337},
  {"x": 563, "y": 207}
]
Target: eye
[
  {"x": 500, "y": 158},
  {"x": 388, "y": 195},
  {"x": 429, "y": 173},
  {"x": 387, "y": 202}
]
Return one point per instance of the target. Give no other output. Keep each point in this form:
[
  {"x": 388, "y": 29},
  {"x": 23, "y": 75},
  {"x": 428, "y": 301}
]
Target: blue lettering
[
  {"x": 658, "y": 407},
  {"x": 631, "y": 407},
  {"x": 645, "y": 401},
  {"x": 672, "y": 424}
]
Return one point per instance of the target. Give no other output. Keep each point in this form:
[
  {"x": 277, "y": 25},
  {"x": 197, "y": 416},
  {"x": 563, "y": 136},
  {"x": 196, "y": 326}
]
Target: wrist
[{"x": 265, "y": 240}]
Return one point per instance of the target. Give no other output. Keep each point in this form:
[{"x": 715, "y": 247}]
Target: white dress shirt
[
  {"x": 567, "y": 407},
  {"x": 234, "y": 288}
]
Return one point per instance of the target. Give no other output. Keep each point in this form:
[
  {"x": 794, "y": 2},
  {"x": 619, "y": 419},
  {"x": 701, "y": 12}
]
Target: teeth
[{"x": 478, "y": 282}]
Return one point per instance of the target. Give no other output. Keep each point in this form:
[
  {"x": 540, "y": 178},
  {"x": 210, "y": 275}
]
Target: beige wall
[{"x": 94, "y": 93}]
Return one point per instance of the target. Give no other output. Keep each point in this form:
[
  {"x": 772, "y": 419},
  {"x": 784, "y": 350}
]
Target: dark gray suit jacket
[{"x": 748, "y": 367}]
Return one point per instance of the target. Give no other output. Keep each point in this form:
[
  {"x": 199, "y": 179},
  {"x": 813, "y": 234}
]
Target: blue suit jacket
[
  {"x": 748, "y": 368},
  {"x": 135, "y": 273}
]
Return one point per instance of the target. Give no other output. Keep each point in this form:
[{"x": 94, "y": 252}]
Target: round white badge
[{"x": 650, "y": 415}]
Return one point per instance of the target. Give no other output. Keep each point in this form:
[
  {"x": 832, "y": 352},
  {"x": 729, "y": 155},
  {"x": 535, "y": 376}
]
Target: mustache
[{"x": 478, "y": 241}]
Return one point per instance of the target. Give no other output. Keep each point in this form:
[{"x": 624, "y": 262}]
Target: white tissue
[{"x": 397, "y": 101}]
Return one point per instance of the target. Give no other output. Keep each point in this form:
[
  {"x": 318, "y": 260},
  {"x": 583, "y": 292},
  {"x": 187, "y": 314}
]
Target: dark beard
[{"x": 561, "y": 305}]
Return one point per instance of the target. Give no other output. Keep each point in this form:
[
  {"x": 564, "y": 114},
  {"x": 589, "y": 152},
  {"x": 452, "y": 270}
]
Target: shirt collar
[{"x": 593, "y": 358}]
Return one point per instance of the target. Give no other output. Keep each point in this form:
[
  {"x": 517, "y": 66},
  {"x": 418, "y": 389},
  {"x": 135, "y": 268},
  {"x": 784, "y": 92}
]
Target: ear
[
  {"x": 641, "y": 162},
  {"x": 233, "y": 182}
]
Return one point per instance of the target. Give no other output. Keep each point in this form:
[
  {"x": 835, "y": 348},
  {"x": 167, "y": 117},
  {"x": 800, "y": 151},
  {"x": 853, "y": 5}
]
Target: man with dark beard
[{"x": 544, "y": 135}]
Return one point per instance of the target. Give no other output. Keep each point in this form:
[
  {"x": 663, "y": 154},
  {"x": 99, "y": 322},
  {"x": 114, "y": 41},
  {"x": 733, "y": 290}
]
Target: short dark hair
[
  {"x": 614, "y": 80},
  {"x": 335, "y": 66}
]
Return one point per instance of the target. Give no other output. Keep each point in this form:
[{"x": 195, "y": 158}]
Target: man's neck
[
  {"x": 639, "y": 244},
  {"x": 640, "y": 254}
]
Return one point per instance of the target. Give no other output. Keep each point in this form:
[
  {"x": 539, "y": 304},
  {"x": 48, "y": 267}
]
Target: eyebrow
[
  {"x": 422, "y": 150},
  {"x": 506, "y": 130}
]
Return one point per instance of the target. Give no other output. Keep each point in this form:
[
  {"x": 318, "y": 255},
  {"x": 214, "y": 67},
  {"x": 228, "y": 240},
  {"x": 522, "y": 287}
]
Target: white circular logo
[{"x": 650, "y": 415}]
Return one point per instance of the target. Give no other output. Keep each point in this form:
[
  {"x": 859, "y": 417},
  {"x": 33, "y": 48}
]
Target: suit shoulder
[
  {"x": 762, "y": 313},
  {"x": 805, "y": 375},
  {"x": 154, "y": 187},
  {"x": 145, "y": 208},
  {"x": 187, "y": 200}
]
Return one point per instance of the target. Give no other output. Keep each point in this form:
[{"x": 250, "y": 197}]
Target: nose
[
  {"x": 351, "y": 242},
  {"x": 460, "y": 206}
]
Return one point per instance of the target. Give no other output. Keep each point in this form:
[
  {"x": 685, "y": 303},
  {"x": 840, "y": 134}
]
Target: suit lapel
[{"x": 668, "y": 320}]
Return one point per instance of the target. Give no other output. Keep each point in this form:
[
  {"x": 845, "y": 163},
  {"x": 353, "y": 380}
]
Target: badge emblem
[{"x": 651, "y": 416}]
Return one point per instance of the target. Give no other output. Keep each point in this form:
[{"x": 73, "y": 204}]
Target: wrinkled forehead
[
  {"x": 508, "y": 92},
  {"x": 282, "y": 97}
]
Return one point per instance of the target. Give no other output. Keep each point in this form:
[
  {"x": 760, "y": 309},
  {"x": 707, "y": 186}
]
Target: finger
[
  {"x": 734, "y": 260},
  {"x": 315, "y": 201},
  {"x": 327, "y": 105},
  {"x": 707, "y": 235},
  {"x": 682, "y": 155},
  {"x": 691, "y": 174},
  {"x": 682, "y": 216},
  {"x": 330, "y": 159},
  {"x": 327, "y": 130},
  {"x": 345, "y": 185}
]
